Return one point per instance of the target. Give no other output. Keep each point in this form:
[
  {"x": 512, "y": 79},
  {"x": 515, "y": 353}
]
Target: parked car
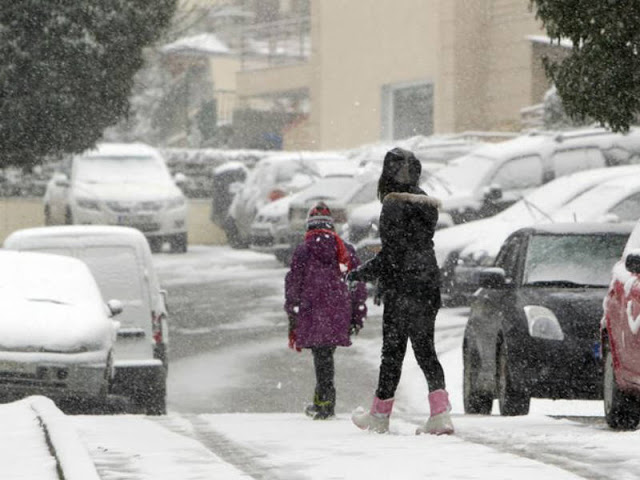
[
  {"x": 620, "y": 339},
  {"x": 56, "y": 331},
  {"x": 119, "y": 184},
  {"x": 463, "y": 250},
  {"x": 120, "y": 260},
  {"x": 227, "y": 181},
  {"x": 533, "y": 325},
  {"x": 270, "y": 229},
  {"x": 273, "y": 178},
  {"x": 341, "y": 194},
  {"x": 493, "y": 177}
]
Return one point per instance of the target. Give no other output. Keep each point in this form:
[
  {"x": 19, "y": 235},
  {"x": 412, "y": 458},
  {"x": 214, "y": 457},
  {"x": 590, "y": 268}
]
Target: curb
[{"x": 71, "y": 455}]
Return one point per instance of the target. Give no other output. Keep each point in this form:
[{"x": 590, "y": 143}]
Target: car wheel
[
  {"x": 512, "y": 399},
  {"x": 68, "y": 217},
  {"x": 233, "y": 235},
  {"x": 179, "y": 243},
  {"x": 47, "y": 215},
  {"x": 621, "y": 410},
  {"x": 155, "y": 244},
  {"x": 154, "y": 401},
  {"x": 475, "y": 401}
]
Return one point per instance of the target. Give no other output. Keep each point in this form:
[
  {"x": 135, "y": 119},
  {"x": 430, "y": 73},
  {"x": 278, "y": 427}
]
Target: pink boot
[
  {"x": 376, "y": 420},
  {"x": 439, "y": 422}
]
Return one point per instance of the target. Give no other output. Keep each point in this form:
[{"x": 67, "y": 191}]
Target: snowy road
[{"x": 234, "y": 405}]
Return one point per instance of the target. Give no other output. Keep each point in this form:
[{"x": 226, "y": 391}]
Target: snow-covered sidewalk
[{"x": 42, "y": 443}]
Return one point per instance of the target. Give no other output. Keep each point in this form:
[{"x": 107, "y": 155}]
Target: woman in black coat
[{"x": 409, "y": 282}]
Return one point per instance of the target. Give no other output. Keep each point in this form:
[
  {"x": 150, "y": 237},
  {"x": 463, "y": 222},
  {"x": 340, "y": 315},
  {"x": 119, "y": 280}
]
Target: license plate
[
  {"x": 18, "y": 367},
  {"x": 134, "y": 219}
]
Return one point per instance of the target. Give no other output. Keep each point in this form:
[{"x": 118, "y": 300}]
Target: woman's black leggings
[{"x": 404, "y": 318}]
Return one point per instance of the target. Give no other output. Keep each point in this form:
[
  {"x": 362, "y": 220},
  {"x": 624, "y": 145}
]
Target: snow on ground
[{"x": 290, "y": 446}]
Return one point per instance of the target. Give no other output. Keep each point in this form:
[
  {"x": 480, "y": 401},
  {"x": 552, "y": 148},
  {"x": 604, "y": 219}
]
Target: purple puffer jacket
[{"x": 316, "y": 295}]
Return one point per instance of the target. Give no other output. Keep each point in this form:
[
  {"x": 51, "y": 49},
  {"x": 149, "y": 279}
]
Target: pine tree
[
  {"x": 600, "y": 79},
  {"x": 66, "y": 71}
]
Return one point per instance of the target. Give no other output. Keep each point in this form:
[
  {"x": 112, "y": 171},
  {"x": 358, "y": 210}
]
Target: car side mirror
[
  {"x": 492, "y": 277},
  {"x": 492, "y": 193},
  {"x": 632, "y": 263},
  {"x": 115, "y": 307},
  {"x": 61, "y": 180}
]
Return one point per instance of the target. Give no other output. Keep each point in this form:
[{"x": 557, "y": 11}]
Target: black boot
[{"x": 325, "y": 405}]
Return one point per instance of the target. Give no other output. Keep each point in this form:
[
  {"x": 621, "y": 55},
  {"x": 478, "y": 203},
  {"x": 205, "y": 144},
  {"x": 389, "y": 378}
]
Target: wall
[
  {"x": 357, "y": 47},
  {"x": 16, "y": 213}
]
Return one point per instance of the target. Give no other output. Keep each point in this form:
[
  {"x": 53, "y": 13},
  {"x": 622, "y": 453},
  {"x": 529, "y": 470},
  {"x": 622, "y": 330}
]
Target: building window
[{"x": 407, "y": 110}]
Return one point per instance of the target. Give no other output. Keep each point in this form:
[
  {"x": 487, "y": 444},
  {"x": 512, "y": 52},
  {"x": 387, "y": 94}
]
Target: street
[{"x": 236, "y": 394}]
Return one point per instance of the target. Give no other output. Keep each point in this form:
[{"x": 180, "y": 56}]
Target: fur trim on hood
[{"x": 412, "y": 198}]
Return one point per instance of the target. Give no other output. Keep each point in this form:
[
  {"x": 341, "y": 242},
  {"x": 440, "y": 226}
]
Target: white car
[
  {"x": 119, "y": 184},
  {"x": 120, "y": 260},
  {"x": 464, "y": 249},
  {"x": 56, "y": 332},
  {"x": 495, "y": 176},
  {"x": 275, "y": 177}
]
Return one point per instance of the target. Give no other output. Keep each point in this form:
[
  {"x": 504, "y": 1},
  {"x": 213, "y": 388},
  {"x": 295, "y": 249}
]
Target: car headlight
[
  {"x": 87, "y": 203},
  {"x": 176, "y": 202},
  {"x": 543, "y": 323}
]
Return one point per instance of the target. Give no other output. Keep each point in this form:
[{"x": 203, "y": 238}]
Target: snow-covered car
[
  {"x": 533, "y": 328},
  {"x": 56, "y": 332},
  {"x": 126, "y": 184},
  {"x": 341, "y": 194},
  {"x": 494, "y": 176},
  {"x": 121, "y": 263},
  {"x": 227, "y": 181},
  {"x": 463, "y": 250},
  {"x": 270, "y": 229},
  {"x": 275, "y": 177},
  {"x": 620, "y": 339}
]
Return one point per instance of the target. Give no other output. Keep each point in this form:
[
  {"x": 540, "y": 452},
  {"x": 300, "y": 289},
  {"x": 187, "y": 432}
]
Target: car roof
[
  {"x": 55, "y": 234},
  {"x": 121, "y": 150},
  {"x": 577, "y": 228},
  {"x": 524, "y": 144}
]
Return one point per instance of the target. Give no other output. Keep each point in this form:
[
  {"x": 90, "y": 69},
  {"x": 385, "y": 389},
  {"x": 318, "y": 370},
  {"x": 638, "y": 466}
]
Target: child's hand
[{"x": 292, "y": 341}]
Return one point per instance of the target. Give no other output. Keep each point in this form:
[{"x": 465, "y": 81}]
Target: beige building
[{"x": 361, "y": 71}]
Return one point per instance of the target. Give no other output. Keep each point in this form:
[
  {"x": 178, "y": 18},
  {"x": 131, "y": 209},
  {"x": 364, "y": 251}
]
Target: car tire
[
  {"x": 179, "y": 243},
  {"x": 475, "y": 401},
  {"x": 233, "y": 235},
  {"x": 512, "y": 400},
  {"x": 155, "y": 244},
  {"x": 47, "y": 216},
  {"x": 68, "y": 217},
  {"x": 155, "y": 400},
  {"x": 621, "y": 410}
]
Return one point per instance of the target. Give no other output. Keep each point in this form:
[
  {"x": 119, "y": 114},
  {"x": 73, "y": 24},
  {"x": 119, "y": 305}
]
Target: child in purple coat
[{"x": 323, "y": 312}]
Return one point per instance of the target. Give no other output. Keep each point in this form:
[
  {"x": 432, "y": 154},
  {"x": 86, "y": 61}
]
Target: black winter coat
[{"x": 406, "y": 263}]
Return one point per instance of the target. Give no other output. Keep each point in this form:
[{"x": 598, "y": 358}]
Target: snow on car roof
[
  {"x": 23, "y": 237},
  {"x": 64, "y": 279},
  {"x": 580, "y": 228},
  {"x": 509, "y": 148},
  {"x": 232, "y": 165},
  {"x": 121, "y": 150}
]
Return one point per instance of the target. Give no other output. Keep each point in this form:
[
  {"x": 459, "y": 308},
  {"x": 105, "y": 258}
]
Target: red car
[{"x": 620, "y": 337}]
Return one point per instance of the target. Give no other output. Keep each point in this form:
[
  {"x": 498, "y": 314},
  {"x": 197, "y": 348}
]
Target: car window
[
  {"x": 523, "y": 172},
  {"x": 115, "y": 269},
  {"x": 580, "y": 259},
  {"x": 628, "y": 210},
  {"x": 507, "y": 259},
  {"x": 577, "y": 159},
  {"x": 366, "y": 193}
]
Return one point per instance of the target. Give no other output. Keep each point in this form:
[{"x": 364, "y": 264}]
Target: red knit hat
[{"x": 320, "y": 217}]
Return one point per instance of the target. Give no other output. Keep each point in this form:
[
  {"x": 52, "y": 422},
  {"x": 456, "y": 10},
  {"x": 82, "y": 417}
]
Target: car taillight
[
  {"x": 156, "y": 328},
  {"x": 276, "y": 194}
]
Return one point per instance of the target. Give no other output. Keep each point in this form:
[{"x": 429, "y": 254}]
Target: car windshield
[
  {"x": 120, "y": 170},
  {"x": 572, "y": 259},
  {"x": 463, "y": 174}
]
